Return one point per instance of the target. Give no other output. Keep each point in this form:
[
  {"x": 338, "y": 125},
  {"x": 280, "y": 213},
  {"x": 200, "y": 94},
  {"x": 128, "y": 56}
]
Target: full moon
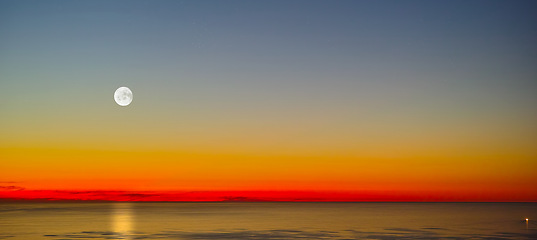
[{"x": 123, "y": 96}]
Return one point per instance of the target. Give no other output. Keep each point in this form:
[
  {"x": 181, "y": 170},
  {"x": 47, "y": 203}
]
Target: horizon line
[{"x": 260, "y": 196}]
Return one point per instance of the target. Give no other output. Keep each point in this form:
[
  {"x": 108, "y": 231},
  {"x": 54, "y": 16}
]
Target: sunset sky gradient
[{"x": 409, "y": 100}]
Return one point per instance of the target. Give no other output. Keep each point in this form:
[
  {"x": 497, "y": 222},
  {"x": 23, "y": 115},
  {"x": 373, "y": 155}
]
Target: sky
[{"x": 431, "y": 99}]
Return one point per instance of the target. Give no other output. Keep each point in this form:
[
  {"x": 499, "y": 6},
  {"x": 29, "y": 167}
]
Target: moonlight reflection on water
[{"x": 122, "y": 220}]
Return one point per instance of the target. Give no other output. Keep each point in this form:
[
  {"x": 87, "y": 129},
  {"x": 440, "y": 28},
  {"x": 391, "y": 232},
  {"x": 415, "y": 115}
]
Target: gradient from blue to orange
[{"x": 424, "y": 97}]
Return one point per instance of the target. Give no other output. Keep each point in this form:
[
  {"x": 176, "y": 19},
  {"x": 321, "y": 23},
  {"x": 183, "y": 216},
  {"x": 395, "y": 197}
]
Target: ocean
[{"x": 267, "y": 220}]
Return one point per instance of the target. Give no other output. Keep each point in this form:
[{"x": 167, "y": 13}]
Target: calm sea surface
[{"x": 268, "y": 221}]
